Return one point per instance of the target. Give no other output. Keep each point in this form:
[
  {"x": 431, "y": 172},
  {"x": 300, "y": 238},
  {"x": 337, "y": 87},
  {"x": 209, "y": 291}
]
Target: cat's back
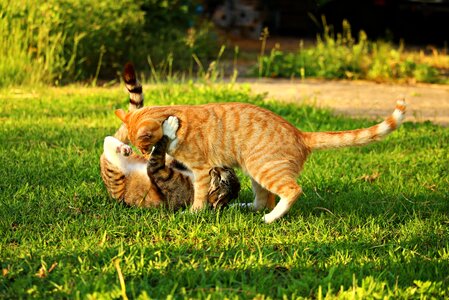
[
  {"x": 228, "y": 113},
  {"x": 210, "y": 109},
  {"x": 229, "y": 121},
  {"x": 245, "y": 120},
  {"x": 231, "y": 133}
]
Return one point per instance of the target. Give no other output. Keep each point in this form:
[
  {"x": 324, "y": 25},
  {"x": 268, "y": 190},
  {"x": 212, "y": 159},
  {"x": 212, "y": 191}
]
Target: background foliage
[
  {"x": 58, "y": 41},
  {"x": 343, "y": 56}
]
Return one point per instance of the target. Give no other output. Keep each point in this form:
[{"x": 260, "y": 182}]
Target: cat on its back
[{"x": 264, "y": 145}]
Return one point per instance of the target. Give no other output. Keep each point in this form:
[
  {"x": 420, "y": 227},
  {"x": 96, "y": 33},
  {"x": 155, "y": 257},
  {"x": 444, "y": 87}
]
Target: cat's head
[
  {"x": 224, "y": 186},
  {"x": 143, "y": 133}
]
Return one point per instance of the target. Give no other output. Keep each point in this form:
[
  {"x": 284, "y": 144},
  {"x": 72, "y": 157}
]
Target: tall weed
[
  {"x": 342, "y": 56},
  {"x": 32, "y": 51},
  {"x": 59, "y": 41}
]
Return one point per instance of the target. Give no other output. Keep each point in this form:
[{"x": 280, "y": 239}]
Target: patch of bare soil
[{"x": 426, "y": 102}]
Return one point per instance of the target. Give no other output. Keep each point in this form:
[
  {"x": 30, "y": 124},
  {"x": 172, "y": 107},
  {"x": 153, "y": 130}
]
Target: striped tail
[
  {"x": 133, "y": 86},
  {"x": 357, "y": 137},
  {"x": 135, "y": 98}
]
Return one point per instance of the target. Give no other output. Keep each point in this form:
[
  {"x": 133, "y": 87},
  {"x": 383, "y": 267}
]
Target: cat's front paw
[
  {"x": 124, "y": 150},
  {"x": 170, "y": 126}
]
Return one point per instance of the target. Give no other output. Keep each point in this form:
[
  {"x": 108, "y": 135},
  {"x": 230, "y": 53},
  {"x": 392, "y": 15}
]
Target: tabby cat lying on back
[
  {"x": 264, "y": 145},
  {"x": 149, "y": 183}
]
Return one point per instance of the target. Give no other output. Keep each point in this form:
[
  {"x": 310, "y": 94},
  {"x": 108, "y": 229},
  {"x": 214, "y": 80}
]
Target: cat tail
[
  {"x": 135, "y": 98},
  {"x": 133, "y": 86},
  {"x": 357, "y": 137}
]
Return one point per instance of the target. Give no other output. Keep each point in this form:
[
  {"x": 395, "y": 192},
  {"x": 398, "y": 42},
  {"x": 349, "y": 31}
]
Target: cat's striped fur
[
  {"x": 264, "y": 145},
  {"x": 125, "y": 175},
  {"x": 138, "y": 181},
  {"x": 358, "y": 137}
]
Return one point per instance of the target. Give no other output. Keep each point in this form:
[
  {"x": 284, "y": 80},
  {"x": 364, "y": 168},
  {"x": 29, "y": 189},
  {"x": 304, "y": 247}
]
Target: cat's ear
[
  {"x": 122, "y": 115},
  {"x": 214, "y": 172}
]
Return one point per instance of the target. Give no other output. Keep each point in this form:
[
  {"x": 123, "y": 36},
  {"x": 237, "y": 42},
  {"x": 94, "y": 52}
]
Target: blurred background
[
  {"x": 418, "y": 21},
  {"x": 63, "y": 41}
]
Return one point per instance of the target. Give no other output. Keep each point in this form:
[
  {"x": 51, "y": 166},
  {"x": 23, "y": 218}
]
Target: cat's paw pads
[
  {"x": 170, "y": 126},
  {"x": 124, "y": 150}
]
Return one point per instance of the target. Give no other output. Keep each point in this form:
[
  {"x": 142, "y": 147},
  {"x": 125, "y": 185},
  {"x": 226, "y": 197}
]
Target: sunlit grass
[{"x": 373, "y": 221}]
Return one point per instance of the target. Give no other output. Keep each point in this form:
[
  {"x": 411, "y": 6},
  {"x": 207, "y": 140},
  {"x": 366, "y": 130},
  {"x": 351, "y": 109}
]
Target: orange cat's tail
[{"x": 357, "y": 137}]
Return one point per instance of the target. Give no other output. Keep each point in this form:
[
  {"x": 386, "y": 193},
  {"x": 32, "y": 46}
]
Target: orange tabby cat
[{"x": 264, "y": 145}]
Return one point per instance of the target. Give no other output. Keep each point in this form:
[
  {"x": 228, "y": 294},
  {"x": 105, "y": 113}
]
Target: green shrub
[
  {"x": 59, "y": 41},
  {"x": 341, "y": 56},
  {"x": 31, "y": 49}
]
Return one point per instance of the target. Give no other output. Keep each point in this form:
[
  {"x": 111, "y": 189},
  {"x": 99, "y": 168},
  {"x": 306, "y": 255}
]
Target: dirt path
[{"x": 361, "y": 98}]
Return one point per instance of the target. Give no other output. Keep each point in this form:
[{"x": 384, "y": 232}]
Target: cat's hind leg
[
  {"x": 263, "y": 198},
  {"x": 279, "y": 180},
  {"x": 289, "y": 193}
]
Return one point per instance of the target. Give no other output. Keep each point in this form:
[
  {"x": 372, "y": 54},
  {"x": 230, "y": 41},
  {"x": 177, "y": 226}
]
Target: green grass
[{"x": 350, "y": 235}]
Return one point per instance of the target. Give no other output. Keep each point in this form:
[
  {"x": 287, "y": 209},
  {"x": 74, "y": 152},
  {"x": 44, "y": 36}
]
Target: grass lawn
[{"x": 373, "y": 221}]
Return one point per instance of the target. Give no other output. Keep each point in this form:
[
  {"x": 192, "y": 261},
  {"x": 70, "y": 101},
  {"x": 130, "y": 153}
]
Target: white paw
[
  {"x": 194, "y": 209},
  {"x": 170, "y": 126},
  {"x": 124, "y": 150},
  {"x": 279, "y": 210},
  {"x": 268, "y": 219}
]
